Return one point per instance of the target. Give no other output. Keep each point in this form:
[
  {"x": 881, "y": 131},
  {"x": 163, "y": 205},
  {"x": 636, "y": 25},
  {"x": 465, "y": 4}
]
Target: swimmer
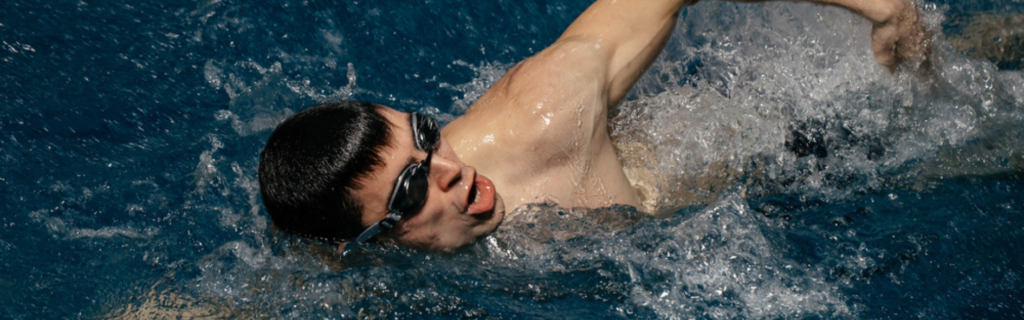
[{"x": 355, "y": 172}]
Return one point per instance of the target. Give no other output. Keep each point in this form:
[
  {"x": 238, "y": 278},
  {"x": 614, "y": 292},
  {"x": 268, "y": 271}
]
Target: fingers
[
  {"x": 913, "y": 42},
  {"x": 883, "y": 44},
  {"x": 900, "y": 37}
]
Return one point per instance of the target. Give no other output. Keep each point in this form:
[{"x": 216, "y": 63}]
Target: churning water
[{"x": 797, "y": 177}]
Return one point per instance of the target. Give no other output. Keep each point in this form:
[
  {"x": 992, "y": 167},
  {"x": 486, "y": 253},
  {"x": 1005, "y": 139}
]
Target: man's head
[{"x": 331, "y": 170}]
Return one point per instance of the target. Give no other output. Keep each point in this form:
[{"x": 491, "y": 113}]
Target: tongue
[{"x": 484, "y": 200}]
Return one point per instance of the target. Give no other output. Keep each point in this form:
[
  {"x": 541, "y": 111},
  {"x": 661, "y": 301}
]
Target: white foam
[
  {"x": 206, "y": 169},
  {"x": 253, "y": 258},
  {"x": 726, "y": 94},
  {"x": 721, "y": 256},
  {"x": 110, "y": 232},
  {"x": 59, "y": 228},
  {"x": 261, "y": 97}
]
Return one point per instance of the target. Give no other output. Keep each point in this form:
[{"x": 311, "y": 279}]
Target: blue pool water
[{"x": 130, "y": 133}]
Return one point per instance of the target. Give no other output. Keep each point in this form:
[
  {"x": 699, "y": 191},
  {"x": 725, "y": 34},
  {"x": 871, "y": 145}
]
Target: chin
[
  {"x": 499, "y": 212},
  {"x": 486, "y": 228},
  {"x": 440, "y": 244}
]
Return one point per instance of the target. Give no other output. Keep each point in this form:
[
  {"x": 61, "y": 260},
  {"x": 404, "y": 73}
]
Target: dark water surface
[{"x": 130, "y": 134}]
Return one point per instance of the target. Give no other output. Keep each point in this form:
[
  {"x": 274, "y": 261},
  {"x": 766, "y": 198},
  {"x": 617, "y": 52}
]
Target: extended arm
[
  {"x": 627, "y": 37},
  {"x": 541, "y": 131}
]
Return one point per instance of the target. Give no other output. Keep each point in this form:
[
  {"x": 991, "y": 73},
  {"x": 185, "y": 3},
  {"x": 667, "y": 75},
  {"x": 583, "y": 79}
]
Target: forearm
[
  {"x": 877, "y": 11},
  {"x": 619, "y": 19},
  {"x": 626, "y": 36}
]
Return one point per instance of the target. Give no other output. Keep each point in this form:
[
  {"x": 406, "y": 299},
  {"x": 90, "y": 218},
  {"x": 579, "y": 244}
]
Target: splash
[
  {"x": 485, "y": 75},
  {"x": 263, "y": 97},
  {"x": 786, "y": 100},
  {"x": 797, "y": 105}
]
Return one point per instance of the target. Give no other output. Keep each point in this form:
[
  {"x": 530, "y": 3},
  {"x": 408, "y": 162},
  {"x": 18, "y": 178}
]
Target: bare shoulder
[
  {"x": 549, "y": 106},
  {"x": 561, "y": 83},
  {"x": 541, "y": 131},
  {"x": 566, "y": 70}
]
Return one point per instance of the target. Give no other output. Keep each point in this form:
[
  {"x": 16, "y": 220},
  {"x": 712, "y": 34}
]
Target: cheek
[{"x": 423, "y": 227}]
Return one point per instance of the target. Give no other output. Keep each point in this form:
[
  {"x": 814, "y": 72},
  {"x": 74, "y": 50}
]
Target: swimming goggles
[{"x": 410, "y": 190}]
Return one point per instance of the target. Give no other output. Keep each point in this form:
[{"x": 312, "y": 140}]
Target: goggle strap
[
  {"x": 384, "y": 225},
  {"x": 390, "y": 221},
  {"x": 369, "y": 233}
]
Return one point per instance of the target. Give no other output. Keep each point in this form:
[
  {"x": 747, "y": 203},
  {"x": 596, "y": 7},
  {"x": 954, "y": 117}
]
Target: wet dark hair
[{"x": 314, "y": 161}]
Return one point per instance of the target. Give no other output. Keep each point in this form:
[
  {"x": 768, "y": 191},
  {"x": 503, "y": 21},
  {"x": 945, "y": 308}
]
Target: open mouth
[
  {"x": 474, "y": 196},
  {"x": 481, "y": 195}
]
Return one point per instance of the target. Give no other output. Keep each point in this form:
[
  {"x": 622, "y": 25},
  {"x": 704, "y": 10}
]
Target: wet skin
[{"x": 540, "y": 134}]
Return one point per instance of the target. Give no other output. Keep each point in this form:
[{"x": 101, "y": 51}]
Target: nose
[{"x": 444, "y": 172}]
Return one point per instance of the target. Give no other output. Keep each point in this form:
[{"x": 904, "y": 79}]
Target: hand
[{"x": 897, "y": 34}]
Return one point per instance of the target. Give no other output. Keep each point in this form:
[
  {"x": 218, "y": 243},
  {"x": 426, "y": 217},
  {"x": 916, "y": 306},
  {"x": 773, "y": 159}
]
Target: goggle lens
[
  {"x": 411, "y": 190},
  {"x": 426, "y": 132}
]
